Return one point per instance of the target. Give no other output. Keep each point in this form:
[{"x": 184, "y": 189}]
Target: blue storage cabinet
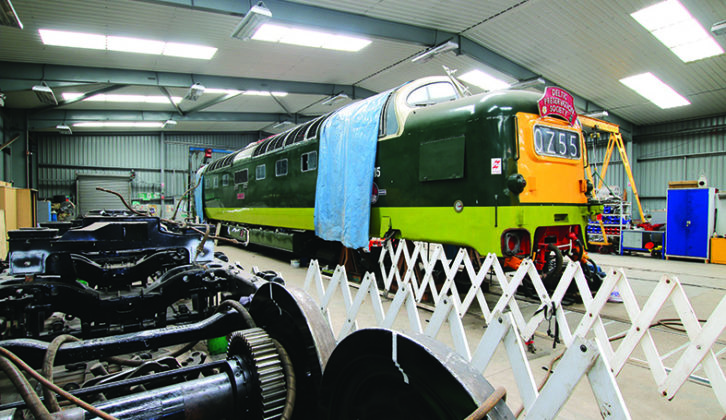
[{"x": 690, "y": 222}]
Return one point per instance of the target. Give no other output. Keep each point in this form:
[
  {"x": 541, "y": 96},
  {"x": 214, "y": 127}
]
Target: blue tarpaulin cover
[
  {"x": 198, "y": 199},
  {"x": 347, "y": 156}
]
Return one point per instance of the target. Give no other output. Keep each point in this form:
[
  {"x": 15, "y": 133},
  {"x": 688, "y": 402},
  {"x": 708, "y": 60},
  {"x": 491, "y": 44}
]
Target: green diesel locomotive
[{"x": 491, "y": 171}]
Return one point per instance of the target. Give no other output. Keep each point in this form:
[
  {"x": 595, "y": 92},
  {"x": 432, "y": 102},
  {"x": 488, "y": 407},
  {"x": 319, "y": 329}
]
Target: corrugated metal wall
[
  {"x": 62, "y": 158},
  {"x": 678, "y": 152},
  {"x": 663, "y": 153}
]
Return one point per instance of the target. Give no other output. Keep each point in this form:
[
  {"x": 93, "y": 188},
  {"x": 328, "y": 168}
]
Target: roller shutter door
[{"x": 91, "y": 199}]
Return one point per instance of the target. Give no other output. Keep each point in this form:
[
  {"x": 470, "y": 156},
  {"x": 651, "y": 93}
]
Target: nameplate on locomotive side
[{"x": 558, "y": 102}]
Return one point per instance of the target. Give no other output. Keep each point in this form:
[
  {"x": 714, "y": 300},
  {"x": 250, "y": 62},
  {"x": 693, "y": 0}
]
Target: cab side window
[
  {"x": 260, "y": 172},
  {"x": 309, "y": 161},
  {"x": 431, "y": 94}
]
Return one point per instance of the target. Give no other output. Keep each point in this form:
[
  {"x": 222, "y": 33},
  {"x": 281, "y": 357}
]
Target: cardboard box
[
  {"x": 3, "y": 236},
  {"x": 26, "y": 207},
  {"x": 8, "y": 202}
]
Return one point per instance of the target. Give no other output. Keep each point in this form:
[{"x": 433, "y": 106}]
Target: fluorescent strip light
[
  {"x": 653, "y": 89},
  {"x": 8, "y": 17},
  {"x": 169, "y": 124},
  {"x": 264, "y": 93},
  {"x": 333, "y": 99},
  {"x": 434, "y": 51},
  {"x": 252, "y": 21},
  {"x": 101, "y": 97},
  {"x": 281, "y": 124},
  {"x": 195, "y": 92},
  {"x": 674, "y": 26},
  {"x": 45, "y": 94},
  {"x": 719, "y": 28},
  {"x": 119, "y": 124},
  {"x": 528, "y": 83},
  {"x": 64, "y": 129},
  {"x": 176, "y": 49},
  {"x": 223, "y": 91},
  {"x": 72, "y": 39},
  {"x": 134, "y": 45},
  {"x": 124, "y": 44},
  {"x": 308, "y": 38},
  {"x": 483, "y": 80}
]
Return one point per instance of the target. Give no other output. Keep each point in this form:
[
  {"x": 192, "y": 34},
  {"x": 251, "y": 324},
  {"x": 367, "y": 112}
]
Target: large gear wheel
[{"x": 257, "y": 348}]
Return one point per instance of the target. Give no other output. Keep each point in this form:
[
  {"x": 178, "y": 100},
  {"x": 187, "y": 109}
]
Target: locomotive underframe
[{"x": 111, "y": 275}]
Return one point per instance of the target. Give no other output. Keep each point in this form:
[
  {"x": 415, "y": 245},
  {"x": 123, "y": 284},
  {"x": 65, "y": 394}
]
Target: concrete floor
[{"x": 704, "y": 284}]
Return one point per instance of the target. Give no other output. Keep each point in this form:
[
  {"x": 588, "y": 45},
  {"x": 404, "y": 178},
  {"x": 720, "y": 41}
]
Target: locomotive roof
[{"x": 501, "y": 101}]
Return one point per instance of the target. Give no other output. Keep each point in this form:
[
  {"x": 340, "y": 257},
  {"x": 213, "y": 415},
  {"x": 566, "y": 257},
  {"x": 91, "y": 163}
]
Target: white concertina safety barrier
[{"x": 594, "y": 356}]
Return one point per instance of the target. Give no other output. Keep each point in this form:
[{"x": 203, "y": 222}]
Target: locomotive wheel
[
  {"x": 591, "y": 271},
  {"x": 577, "y": 251},
  {"x": 366, "y": 379},
  {"x": 553, "y": 267}
]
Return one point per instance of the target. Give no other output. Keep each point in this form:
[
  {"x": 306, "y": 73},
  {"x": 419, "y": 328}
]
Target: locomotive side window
[
  {"x": 281, "y": 167},
  {"x": 240, "y": 177},
  {"x": 260, "y": 172},
  {"x": 550, "y": 141},
  {"x": 431, "y": 94},
  {"x": 309, "y": 161},
  {"x": 225, "y": 180},
  {"x": 215, "y": 182}
]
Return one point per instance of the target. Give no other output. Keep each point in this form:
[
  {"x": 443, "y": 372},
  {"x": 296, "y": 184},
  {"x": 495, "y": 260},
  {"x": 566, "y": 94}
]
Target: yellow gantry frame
[{"x": 615, "y": 139}]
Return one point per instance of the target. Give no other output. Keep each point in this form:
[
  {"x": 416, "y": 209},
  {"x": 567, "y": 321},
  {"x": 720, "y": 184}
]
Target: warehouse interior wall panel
[
  {"x": 679, "y": 151},
  {"x": 61, "y": 159}
]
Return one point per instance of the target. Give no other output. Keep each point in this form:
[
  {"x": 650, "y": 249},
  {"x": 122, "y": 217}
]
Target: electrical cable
[
  {"x": 287, "y": 368},
  {"x": 63, "y": 393},
  {"x": 544, "y": 380},
  {"x": 488, "y": 404},
  {"x": 25, "y": 390},
  {"x": 50, "y": 401},
  {"x": 239, "y": 308}
]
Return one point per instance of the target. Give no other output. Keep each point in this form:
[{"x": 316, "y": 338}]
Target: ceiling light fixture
[
  {"x": 653, "y": 89},
  {"x": 45, "y": 94},
  {"x": 719, "y": 28},
  {"x": 64, "y": 129},
  {"x": 597, "y": 114},
  {"x": 528, "y": 83},
  {"x": 223, "y": 91},
  {"x": 8, "y": 17},
  {"x": 102, "y": 97},
  {"x": 124, "y": 44},
  {"x": 432, "y": 52},
  {"x": 308, "y": 38},
  {"x": 281, "y": 124},
  {"x": 483, "y": 80},
  {"x": 673, "y": 25},
  {"x": 256, "y": 17},
  {"x": 119, "y": 124},
  {"x": 333, "y": 99},
  {"x": 264, "y": 93},
  {"x": 195, "y": 92}
]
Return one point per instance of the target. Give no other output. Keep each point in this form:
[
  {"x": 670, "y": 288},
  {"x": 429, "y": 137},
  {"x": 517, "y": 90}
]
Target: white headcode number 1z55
[{"x": 556, "y": 142}]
